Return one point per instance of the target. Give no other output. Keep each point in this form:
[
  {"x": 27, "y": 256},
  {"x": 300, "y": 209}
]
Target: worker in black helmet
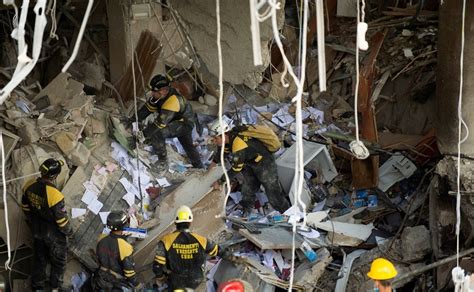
[
  {"x": 116, "y": 266},
  {"x": 43, "y": 205},
  {"x": 175, "y": 119}
]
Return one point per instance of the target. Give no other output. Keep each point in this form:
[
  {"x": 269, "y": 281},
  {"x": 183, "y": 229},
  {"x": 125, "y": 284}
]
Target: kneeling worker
[
  {"x": 117, "y": 268},
  {"x": 176, "y": 118},
  {"x": 382, "y": 272},
  {"x": 181, "y": 255},
  {"x": 43, "y": 205}
]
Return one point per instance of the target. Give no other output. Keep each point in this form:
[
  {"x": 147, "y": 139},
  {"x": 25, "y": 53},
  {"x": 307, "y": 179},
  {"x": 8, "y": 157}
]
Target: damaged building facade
[{"x": 77, "y": 104}]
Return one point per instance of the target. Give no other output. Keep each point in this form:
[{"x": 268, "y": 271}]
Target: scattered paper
[
  {"x": 111, "y": 167},
  {"x": 102, "y": 170},
  {"x": 408, "y": 53},
  {"x": 281, "y": 264},
  {"x": 163, "y": 182},
  {"x": 129, "y": 187},
  {"x": 282, "y": 118},
  {"x": 129, "y": 198},
  {"x": 294, "y": 213},
  {"x": 134, "y": 127},
  {"x": 268, "y": 258},
  {"x": 77, "y": 212},
  {"x": 236, "y": 197},
  {"x": 103, "y": 217},
  {"x": 95, "y": 206},
  {"x": 310, "y": 234},
  {"x": 89, "y": 196},
  {"x": 99, "y": 180},
  {"x": 91, "y": 187}
]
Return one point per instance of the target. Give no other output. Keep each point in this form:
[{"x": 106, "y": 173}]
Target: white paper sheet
[
  {"x": 163, "y": 182},
  {"x": 102, "y": 170},
  {"x": 282, "y": 117},
  {"x": 89, "y": 196},
  {"x": 129, "y": 198},
  {"x": 311, "y": 234},
  {"x": 95, "y": 206},
  {"x": 77, "y": 212},
  {"x": 236, "y": 197},
  {"x": 129, "y": 187},
  {"x": 103, "y": 217},
  {"x": 268, "y": 258},
  {"x": 281, "y": 264},
  {"x": 90, "y": 186}
]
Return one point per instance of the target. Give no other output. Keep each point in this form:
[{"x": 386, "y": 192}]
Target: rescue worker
[
  {"x": 382, "y": 272},
  {"x": 43, "y": 205},
  {"x": 257, "y": 165},
  {"x": 116, "y": 266},
  {"x": 181, "y": 255},
  {"x": 175, "y": 119}
]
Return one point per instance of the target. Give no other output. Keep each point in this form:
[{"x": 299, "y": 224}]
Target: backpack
[{"x": 264, "y": 134}]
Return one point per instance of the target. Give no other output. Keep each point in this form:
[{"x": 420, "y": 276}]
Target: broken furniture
[{"x": 316, "y": 158}]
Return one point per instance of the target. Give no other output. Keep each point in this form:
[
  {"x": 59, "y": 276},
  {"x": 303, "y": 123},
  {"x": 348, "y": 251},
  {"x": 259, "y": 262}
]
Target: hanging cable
[
  {"x": 54, "y": 26},
  {"x": 5, "y": 203},
  {"x": 136, "y": 118},
  {"x": 461, "y": 123},
  {"x": 221, "y": 102},
  {"x": 357, "y": 147}
]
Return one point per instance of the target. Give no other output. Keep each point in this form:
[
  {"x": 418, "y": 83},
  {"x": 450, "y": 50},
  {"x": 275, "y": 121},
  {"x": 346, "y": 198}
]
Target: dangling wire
[
  {"x": 357, "y": 147},
  {"x": 5, "y": 203}
]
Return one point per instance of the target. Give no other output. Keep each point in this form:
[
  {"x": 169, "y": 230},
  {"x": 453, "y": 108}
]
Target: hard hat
[
  {"x": 51, "y": 167},
  {"x": 216, "y": 129},
  {"x": 235, "y": 285},
  {"x": 382, "y": 269},
  {"x": 117, "y": 220},
  {"x": 158, "y": 82},
  {"x": 183, "y": 214}
]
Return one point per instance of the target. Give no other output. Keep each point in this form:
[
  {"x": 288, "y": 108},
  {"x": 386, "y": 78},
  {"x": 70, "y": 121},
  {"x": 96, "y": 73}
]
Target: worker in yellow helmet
[
  {"x": 382, "y": 272},
  {"x": 176, "y": 118},
  {"x": 181, "y": 255}
]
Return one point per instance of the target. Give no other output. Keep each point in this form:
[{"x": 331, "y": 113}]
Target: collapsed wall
[{"x": 199, "y": 18}]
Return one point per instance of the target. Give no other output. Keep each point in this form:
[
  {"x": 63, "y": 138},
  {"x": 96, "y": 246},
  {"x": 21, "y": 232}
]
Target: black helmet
[
  {"x": 158, "y": 82},
  {"x": 51, "y": 167},
  {"x": 116, "y": 220}
]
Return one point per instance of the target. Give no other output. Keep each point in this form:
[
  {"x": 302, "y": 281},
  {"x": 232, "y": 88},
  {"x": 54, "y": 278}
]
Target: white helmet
[
  {"x": 183, "y": 214},
  {"x": 216, "y": 129}
]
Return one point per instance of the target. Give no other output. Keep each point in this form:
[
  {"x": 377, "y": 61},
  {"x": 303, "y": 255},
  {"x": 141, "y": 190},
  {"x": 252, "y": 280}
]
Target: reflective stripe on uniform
[
  {"x": 150, "y": 107},
  {"x": 161, "y": 260},
  {"x": 259, "y": 157},
  {"x": 238, "y": 167},
  {"x": 129, "y": 273},
  {"x": 62, "y": 222},
  {"x": 213, "y": 252}
]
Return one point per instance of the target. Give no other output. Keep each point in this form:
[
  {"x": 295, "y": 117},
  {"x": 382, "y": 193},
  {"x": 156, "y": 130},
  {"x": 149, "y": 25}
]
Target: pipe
[
  {"x": 79, "y": 36},
  {"x": 321, "y": 45}
]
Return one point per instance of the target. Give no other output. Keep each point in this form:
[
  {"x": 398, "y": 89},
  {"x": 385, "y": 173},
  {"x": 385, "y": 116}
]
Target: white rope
[
  {"x": 357, "y": 147},
  {"x": 54, "y": 26},
  {"x": 5, "y": 203},
  {"x": 221, "y": 101},
  {"x": 461, "y": 123}
]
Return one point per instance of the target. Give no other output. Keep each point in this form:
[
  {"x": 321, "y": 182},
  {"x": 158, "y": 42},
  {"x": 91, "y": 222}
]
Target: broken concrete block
[
  {"x": 416, "y": 243},
  {"x": 61, "y": 88},
  {"x": 80, "y": 155},
  {"x": 28, "y": 132},
  {"x": 90, "y": 74},
  {"x": 66, "y": 142},
  {"x": 98, "y": 126},
  {"x": 14, "y": 114},
  {"x": 45, "y": 123},
  {"x": 210, "y": 100}
]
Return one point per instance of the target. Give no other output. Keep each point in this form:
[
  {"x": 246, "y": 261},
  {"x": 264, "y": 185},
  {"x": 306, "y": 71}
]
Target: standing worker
[
  {"x": 181, "y": 255},
  {"x": 382, "y": 272},
  {"x": 175, "y": 119},
  {"x": 43, "y": 205},
  {"x": 116, "y": 266},
  {"x": 257, "y": 164}
]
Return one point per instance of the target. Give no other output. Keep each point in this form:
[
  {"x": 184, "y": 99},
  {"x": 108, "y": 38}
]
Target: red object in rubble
[
  {"x": 153, "y": 192},
  {"x": 232, "y": 286}
]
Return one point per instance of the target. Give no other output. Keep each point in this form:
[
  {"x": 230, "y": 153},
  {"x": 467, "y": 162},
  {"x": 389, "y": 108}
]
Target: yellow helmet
[
  {"x": 382, "y": 269},
  {"x": 183, "y": 214}
]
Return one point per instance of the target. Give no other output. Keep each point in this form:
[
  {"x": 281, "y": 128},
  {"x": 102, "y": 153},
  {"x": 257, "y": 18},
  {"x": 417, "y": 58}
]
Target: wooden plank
[{"x": 272, "y": 238}]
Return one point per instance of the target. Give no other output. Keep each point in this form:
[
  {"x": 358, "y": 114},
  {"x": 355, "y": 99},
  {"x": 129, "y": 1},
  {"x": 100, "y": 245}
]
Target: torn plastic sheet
[{"x": 25, "y": 65}]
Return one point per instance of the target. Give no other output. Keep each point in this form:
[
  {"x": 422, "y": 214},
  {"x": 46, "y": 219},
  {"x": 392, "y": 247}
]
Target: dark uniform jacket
[
  {"x": 44, "y": 208},
  {"x": 181, "y": 255},
  {"x": 173, "y": 107},
  {"x": 115, "y": 254},
  {"x": 243, "y": 150}
]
